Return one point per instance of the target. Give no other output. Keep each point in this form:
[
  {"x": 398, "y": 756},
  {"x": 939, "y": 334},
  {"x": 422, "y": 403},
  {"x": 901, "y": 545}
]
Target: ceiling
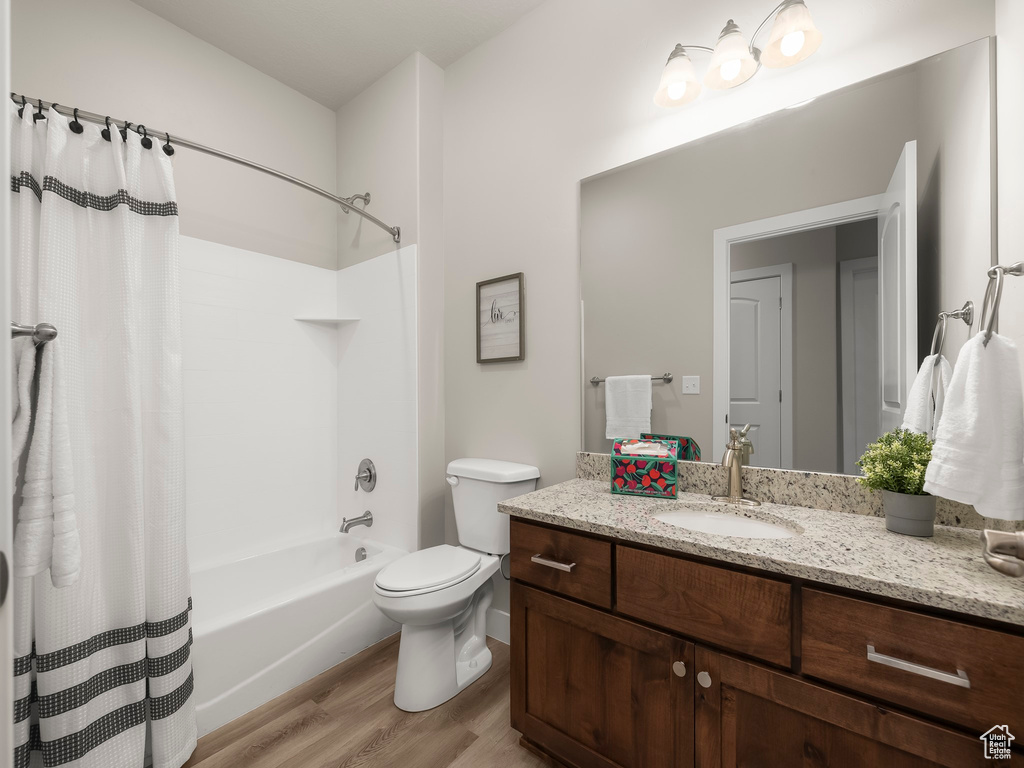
[{"x": 330, "y": 50}]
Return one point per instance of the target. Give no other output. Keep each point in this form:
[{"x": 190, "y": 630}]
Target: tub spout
[{"x": 364, "y": 519}]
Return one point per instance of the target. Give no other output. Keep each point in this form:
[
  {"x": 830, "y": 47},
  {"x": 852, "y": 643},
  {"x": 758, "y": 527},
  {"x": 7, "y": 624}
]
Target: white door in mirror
[
  {"x": 897, "y": 306},
  {"x": 755, "y": 348}
]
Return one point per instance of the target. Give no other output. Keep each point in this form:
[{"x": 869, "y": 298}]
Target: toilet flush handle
[{"x": 452, "y": 480}]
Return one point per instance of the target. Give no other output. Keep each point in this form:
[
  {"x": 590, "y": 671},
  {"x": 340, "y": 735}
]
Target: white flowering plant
[{"x": 897, "y": 462}]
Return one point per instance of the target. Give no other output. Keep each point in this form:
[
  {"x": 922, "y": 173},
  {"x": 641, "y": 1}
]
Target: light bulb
[
  {"x": 792, "y": 43},
  {"x": 676, "y": 91},
  {"x": 793, "y": 38},
  {"x": 730, "y": 69}
]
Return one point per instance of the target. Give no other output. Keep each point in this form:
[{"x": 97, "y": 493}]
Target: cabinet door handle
[
  {"x": 541, "y": 560},
  {"x": 959, "y": 679}
]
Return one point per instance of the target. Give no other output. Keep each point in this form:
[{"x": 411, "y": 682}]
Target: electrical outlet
[{"x": 691, "y": 385}]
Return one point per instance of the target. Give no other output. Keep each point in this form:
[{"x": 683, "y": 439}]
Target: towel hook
[
  {"x": 940, "y": 335},
  {"x": 994, "y": 294},
  {"x": 965, "y": 313}
]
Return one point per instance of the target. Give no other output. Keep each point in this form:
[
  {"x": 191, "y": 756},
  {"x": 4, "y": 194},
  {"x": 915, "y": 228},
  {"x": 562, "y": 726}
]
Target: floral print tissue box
[{"x": 645, "y": 467}]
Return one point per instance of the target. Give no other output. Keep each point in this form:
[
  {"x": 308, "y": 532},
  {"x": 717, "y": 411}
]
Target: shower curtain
[{"x": 102, "y": 669}]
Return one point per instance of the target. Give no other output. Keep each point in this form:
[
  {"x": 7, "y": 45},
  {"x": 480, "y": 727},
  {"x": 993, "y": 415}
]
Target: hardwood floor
[{"x": 345, "y": 718}]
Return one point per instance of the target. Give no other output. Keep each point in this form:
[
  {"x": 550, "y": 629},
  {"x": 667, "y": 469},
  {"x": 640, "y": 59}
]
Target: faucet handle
[{"x": 367, "y": 476}]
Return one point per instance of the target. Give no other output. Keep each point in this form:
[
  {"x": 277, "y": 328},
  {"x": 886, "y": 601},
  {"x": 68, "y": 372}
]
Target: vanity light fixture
[{"x": 792, "y": 39}]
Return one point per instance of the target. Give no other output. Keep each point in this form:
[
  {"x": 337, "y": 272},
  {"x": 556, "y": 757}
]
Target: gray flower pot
[{"x": 909, "y": 515}]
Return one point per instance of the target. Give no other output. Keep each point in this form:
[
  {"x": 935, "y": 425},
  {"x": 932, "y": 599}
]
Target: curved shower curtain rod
[{"x": 346, "y": 203}]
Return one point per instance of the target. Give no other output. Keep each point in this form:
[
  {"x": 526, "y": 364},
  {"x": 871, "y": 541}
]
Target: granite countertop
[{"x": 837, "y": 548}]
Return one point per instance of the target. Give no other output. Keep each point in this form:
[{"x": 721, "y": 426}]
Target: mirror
[{"x": 789, "y": 272}]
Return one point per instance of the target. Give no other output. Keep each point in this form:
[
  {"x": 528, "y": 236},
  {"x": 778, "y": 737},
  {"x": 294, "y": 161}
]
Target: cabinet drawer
[
  {"x": 744, "y": 613},
  {"x": 563, "y": 562},
  {"x": 947, "y": 669}
]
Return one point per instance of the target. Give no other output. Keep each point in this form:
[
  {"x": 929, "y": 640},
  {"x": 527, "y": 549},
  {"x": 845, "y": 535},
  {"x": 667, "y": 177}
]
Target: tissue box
[
  {"x": 645, "y": 467},
  {"x": 688, "y": 448}
]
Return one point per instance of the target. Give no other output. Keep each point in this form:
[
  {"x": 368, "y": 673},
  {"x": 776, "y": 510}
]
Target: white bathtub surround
[
  {"x": 293, "y": 374},
  {"x": 309, "y": 605},
  {"x": 260, "y": 401},
  {"x": 377, "y": 380},
  {"x": 102, "y": 665}
]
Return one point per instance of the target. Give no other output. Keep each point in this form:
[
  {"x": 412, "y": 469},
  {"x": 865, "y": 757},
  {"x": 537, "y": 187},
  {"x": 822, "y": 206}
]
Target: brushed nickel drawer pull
[
  {"x": 959, "y": 679},
  {"x": 541, "y": 560}
]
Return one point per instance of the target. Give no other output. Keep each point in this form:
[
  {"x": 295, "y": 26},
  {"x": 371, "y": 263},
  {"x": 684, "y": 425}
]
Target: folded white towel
[
  {"x": 978, "y": 456},
  {"x": 627, "y": 406},
  {"x": 23, "y": 370},
  {"x": 46, "y": 535},
  {"x": 927, "y": 396}
]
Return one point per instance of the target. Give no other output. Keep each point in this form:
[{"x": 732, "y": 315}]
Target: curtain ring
[
  {"x": 168, "y": 149},
  {"x": 124, "y": 131},
  {"x": 39, "y": 112},
  {"x": 147, "y": 143},
  {"x": 21, "y": 109},
  {"x": 75, "y": 126},
  {"x": 105, "y": 133}
]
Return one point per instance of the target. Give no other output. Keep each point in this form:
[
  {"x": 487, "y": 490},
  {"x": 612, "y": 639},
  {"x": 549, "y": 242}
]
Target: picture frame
[{"x": 501, "y": 319}]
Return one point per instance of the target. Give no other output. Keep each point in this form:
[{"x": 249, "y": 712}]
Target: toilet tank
[{"x": 477, "y": 487}]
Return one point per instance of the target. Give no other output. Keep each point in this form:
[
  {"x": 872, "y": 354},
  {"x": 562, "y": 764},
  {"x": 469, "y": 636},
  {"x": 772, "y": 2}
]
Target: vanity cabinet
[
  {"x": 754, "y": 716},
  {"x": 678, "y": 662},
  {"x": 598, "y": 690}
]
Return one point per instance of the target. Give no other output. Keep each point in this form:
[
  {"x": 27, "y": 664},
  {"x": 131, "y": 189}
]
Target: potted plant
[{"x": 895, "y": 465}]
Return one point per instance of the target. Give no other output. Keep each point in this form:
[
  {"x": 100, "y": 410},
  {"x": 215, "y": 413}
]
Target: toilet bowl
[{"x": 441, "y": 595}]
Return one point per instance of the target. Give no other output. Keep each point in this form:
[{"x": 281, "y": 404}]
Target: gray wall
[
  {"x": 646, "y": 230},
  {"x": 112, "y": 57}
]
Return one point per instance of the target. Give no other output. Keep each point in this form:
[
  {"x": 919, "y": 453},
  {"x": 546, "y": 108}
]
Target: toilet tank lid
[{"x": 492, "y": 470}]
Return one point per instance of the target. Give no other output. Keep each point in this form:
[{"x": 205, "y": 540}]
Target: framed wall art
[{"x": 500, "y": 326}]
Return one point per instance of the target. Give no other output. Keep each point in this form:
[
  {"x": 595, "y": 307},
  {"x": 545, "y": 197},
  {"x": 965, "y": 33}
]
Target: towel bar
[
  {"x": 41, "y": 333},
  {"x": 665, "y": 377}
]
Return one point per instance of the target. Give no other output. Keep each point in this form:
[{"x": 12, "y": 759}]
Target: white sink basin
[{"x": 725, "y": 524}]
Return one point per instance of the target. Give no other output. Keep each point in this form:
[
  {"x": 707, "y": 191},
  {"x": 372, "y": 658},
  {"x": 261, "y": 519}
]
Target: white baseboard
[{"x": 498, "y": 625}]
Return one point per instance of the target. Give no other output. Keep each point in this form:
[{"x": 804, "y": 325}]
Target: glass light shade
[
  {"x": 793, "y": 38},
  {"x": 732, "y": 63},
  {"x": 679, "y": 84}
]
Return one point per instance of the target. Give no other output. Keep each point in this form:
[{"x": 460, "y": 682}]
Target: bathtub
[{"x": 264, "y": 624}]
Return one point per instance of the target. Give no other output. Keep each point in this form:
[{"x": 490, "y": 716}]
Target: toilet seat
[{"x": 428, "y": 570}]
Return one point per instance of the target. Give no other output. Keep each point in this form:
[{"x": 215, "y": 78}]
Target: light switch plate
[{"x": 691, "y": 385}]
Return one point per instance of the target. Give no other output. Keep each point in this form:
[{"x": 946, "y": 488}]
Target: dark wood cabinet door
[
  {"x": 596, "y": 690},
  {"x": 770, "y": 719}
]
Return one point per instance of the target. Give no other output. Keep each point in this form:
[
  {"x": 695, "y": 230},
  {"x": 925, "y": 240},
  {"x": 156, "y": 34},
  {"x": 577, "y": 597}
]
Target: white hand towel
[
  {"x": 627, "y": 406},
  {"x": 927, "y": 396},
  {"x": 46, "y": 535},
  {"x": 23, "y": 352},
  {"x": 978, "y": 456}
]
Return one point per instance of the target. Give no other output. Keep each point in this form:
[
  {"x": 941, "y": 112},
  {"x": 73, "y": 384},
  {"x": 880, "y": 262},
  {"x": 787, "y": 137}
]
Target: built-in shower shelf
[{"x": 328, "y": 320}]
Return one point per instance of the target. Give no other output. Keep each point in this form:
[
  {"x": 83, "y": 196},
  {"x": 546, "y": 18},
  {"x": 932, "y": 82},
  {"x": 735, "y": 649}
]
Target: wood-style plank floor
[{"x": 346, "y": 718}]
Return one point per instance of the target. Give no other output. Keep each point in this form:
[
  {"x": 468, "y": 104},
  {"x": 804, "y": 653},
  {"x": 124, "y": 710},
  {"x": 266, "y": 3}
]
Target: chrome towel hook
[
  {"x": 993, "y": 295},
  {"x": 965, "y": 313}
]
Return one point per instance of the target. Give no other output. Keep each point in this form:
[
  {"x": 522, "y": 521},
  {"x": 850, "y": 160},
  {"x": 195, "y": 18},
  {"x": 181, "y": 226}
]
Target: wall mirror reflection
[{"x": 789, "y": 272}]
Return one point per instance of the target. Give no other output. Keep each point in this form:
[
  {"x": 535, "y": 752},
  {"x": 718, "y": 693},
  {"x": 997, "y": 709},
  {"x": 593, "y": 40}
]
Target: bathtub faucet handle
[{"x": 366, "y": 478}]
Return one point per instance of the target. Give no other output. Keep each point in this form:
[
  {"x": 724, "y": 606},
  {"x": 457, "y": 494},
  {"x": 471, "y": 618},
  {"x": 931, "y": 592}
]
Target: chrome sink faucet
[
  {"x": 364, "y": 519},
  {"x": 736, "y": 453}
]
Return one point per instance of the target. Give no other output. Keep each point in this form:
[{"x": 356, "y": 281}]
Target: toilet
[{"x": 440, "y": 595}]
